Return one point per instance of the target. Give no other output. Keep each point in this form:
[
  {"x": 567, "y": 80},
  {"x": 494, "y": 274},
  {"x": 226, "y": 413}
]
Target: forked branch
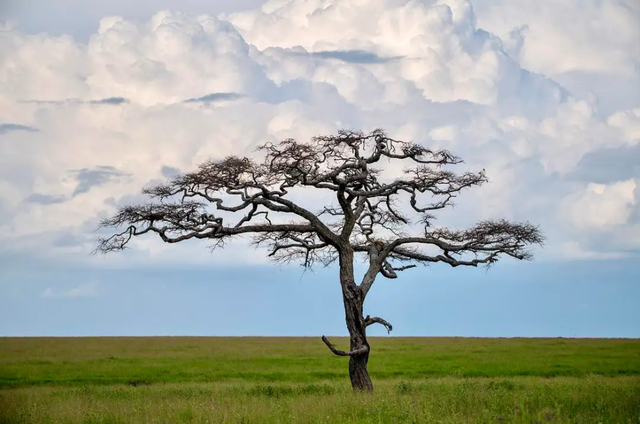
[{"x": 357, "y": 352}]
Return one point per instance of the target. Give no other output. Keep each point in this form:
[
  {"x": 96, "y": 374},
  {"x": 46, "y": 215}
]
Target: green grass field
[{"x": 282, "y": 380}]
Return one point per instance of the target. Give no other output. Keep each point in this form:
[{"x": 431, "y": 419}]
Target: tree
[{"x": 389, "y": 222}]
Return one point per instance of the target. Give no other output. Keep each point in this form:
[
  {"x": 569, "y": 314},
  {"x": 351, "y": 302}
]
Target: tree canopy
[
  {"x": 385, "y": 214},
  {"x": 368, "y": 216}
]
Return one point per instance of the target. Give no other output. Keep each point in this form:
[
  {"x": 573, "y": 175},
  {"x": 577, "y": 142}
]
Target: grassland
[{"x": 269, "y": 380}]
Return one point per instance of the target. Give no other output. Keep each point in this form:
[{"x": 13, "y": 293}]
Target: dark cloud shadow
[
  {"x": 89, "y": 178},
  {"x": 109, "y": 101},
  {"x": 6, "y": 128},
  {"x": 609, "y": 165},
  {"x": 169, "y": 171},
  {"x": 45, "y": 102},
  {"x": 214, "y": 97},
  {"x": 44, "y": 199},
  {"x": 349, "y": 56}
]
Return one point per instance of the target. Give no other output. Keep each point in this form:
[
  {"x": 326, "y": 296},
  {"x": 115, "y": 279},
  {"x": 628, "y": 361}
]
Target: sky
[{"x": 98, "y": 99}]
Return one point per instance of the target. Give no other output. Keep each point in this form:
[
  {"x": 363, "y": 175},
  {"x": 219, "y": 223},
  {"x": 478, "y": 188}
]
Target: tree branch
[
  {"x": 368, "y": 321},
  {"x": 357, "y": 352},
  {"x": 367, "y": 218},
  {"x": 389, "y": 271},
  {"x": 446, "y": 257}
]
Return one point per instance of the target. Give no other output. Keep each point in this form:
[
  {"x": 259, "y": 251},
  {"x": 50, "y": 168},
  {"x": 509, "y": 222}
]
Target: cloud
[
  {"x": 214, "y": 97},
  {"x": 5, "y": 128},
  {"x": 573, "y": 250},
  {"x": 609, "y": 165},
  {"x": 351, "y": 56},
  {"x": 599, "y": 206},
  {"x": 110, "y": 101},
  {"x": 69, "y": 239},
  {"x": 106, "y": 101},
  {"x": 44, "y": 199},
  {"x": 85, "y": 17},
  {"x": 628, "y": 121},
  {"x": 592, "y": 52},
  {"x": 544, "y": 103},
  {"x": 90, "y": 289},
  {"x": 169, "y": 171},
  {"x": 89, "y": 178},
  {"x": 601, "y": 37}
]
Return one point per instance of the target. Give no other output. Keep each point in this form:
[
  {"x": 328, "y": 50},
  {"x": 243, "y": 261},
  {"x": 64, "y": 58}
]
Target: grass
[{"x": 279, "y": 380}]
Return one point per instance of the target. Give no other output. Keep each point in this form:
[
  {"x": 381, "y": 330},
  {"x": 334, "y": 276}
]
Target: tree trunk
[
  {"x": 359, "y": 374},
  {"x": 353, "y": 305}
]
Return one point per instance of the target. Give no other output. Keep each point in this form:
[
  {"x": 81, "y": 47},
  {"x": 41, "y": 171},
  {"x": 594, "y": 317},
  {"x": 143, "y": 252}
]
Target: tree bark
[{"x": 353, "y": 299}]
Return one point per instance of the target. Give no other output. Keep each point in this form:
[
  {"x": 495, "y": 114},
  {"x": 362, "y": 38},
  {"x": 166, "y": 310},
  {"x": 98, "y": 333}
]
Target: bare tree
[{"x": 389, "y": 222}]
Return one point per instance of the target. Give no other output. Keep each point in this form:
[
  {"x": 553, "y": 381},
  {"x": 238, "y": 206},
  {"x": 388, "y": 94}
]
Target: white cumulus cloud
[
  {"x": 540, "y": 95},
  {"x": 601, "y": 205}
]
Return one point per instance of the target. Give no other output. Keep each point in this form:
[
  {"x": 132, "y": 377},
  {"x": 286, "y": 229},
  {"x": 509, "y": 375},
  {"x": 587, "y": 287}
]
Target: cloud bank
[{"x": 548, "y": 105}]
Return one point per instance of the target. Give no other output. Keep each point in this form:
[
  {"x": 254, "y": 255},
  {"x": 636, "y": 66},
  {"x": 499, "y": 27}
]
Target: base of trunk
[{"x": 358, "y": 373}]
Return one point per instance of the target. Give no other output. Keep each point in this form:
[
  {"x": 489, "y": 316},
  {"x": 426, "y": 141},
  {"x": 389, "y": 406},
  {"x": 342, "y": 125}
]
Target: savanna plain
[{"x": 297, "y": 380}]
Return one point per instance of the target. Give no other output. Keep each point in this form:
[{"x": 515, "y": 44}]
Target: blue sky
[
  {"x": 103, "y": 99},
  {"x": 566, "y": 299}
]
